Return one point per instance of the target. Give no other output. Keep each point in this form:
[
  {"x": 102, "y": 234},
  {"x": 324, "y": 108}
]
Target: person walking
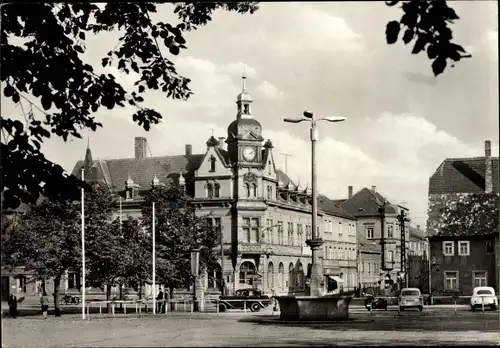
[
  {"x": 12, "y": 301},
  {"x": 159, "y": 300},
  {"x": 44, "y": 301}
]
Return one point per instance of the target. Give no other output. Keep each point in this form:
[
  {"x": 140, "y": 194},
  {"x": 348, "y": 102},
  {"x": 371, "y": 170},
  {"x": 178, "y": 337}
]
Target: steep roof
[
  {"x": 366, "y": 203},
  {"x": 464, "y": 175},
  {"x": 115, "y": 172},
  {"x": 327, "y": 205}
]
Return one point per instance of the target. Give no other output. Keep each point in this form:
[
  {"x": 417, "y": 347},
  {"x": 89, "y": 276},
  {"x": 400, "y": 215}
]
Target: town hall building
[{"x": 265, "y": 218}]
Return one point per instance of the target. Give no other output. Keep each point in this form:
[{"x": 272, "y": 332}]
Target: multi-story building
[
  {"x": 378, "y": 220},
  {"x": 418, "y": 260},
  {"x": 264, "y": 217},
  {"x": 369, "y": 262},
  {"x": 418, "y": 243},
  {"x": 462, "y": 246}
]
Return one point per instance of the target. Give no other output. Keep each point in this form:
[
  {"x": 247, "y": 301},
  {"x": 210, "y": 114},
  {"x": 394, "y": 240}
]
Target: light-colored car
[
  {"x": 486, "y": 294},
  {"x": 410, "y": 298}
]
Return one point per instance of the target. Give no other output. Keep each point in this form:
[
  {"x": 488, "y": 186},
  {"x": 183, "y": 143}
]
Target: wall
[
  {"x": 369, "y": 268},
  {"x": 465, "y": 265}
]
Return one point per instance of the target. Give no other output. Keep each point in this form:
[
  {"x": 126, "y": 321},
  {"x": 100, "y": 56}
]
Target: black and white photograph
[{"x": 250, "y": 174}]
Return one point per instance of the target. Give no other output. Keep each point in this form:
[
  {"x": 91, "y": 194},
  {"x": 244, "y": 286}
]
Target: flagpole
[
  {"x": 83, "y": 248},
  {"x": 154, "y": 262}
]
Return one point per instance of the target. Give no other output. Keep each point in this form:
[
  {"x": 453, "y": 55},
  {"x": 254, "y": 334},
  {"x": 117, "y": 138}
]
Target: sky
[{"x": 330, "y": 58}]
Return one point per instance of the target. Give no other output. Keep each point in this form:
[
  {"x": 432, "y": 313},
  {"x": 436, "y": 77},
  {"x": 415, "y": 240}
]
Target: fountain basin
[{"x": 312, "y": 308}]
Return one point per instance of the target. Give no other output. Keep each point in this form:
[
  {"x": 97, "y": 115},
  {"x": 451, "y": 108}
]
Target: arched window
[
  {"x": 270, "y": 275},
  {"x": 210, "y": 190},
  {"x": 247, "y": 271},
  {"x": 212, "y": 163},
  {"x": 247, "y": 188},
  {"x": 254, "y": 187},
  {"x": 216, "y": 190},
  {"x": 291, "y": 278},
  {"x": 281, "y": 275},
  {"x": 300, "y": 276}
]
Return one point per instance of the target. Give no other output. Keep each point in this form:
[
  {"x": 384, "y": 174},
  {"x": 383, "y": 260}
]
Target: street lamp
[{"x": 315, "y": 242}]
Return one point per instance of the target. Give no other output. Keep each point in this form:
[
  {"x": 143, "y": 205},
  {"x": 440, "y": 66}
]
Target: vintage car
[
  {"x": 244, "y": 298},
  {"x": 483, "y": 294},
  {"x": 411, "y": 298}
]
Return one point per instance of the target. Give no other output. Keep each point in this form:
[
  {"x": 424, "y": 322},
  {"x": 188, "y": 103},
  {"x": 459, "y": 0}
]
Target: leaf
[
  {"x": 439, "y": 65},
  {"x": 141, "y": 88},
  {"x": 408, "y": 35},
  {"x": 105, "y": 61},
  {"x": 431, "y": 51},
  {"x": 46, "y": 101},
  {"x": 392, "y": 32},
  {"x": 78, "y": 48},
  {"x": 174, "y": 50},
  {"x": 15, "y": 97},
  {"x": 8, "y": 91},
  {"x": 81, "y": 35},
  {"x": 419, "y": 45},
  {"x": 391, "y": 3}
]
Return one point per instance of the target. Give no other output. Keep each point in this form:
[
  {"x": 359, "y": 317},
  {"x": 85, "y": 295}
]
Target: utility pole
[
  {"x": 402, "y": 220},
  {"x": 286, "y": 160}
]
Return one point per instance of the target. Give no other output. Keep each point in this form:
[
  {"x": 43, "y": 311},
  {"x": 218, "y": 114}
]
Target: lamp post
[
  {"x": 315, "y": 242},
  {"x": 83, "y": 248},
  {"x": 195, "y": 268}
]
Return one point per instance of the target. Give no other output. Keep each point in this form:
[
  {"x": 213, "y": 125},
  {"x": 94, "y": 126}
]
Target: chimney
[
  {"x": 487, "y": 148},
  {"x": 222, "y": 144},
  {"x": 488, "y": 180},
  {"x": 189, "y": 149},
  {"x": 374, "y": 188},
  {"x": 141, "y": 146},
  {"x": 349, "y": 192}
]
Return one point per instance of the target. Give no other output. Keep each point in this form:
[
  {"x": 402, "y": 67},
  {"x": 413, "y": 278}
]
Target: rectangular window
[
  {"x": 74, "y": 280},
  {"x": 490, "y": 247},
  {"x": 369, "y": 232},
  {"x": 246, "y": 230},
  {"x": 254, "y": 233},
  {"x": 448, "y": 248},
  {"x": 480, "y": 278},
  {"x": 390, "y": 231},
  {"x": 340, "y": 228},
  {"x": 269, "y": 232},
  {"x": 463, "y": 248},
  {"x": 451, "y": 280},
  {"x": 280, "y": 232}
]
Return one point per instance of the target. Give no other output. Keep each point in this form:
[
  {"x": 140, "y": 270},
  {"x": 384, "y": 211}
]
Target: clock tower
[{"x": 244, "y": 135}]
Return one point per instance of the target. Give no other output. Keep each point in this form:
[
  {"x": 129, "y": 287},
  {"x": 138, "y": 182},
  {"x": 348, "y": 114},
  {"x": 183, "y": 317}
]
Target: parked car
[
  {"x": 486, "y": 294},
  {"x": 410, "y": 298},
  {"x": 244, "y": 298},
  {"x": 375, "y": 303}
]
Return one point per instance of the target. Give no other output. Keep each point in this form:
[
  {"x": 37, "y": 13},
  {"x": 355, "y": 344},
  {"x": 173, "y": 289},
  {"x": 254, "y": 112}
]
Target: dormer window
[
  {"x": 212, "y": 163},
  {"x": 269, "y": 167}
]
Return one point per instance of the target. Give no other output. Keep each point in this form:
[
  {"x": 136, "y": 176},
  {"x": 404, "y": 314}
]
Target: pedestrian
[
  {"x": 12, "y": 305},
  {"x": 44, "y": 301},
  {"x": 159, "y": 300}
]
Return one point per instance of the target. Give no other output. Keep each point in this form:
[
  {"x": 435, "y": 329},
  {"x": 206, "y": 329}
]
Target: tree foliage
[
  {"x": 467, "y": 214},
  {"x": 42, "y": 48},
  {"x": 47, "y": 240},
  {"x": 177, "y": 232},
  {"x": 425, "y": 23}
]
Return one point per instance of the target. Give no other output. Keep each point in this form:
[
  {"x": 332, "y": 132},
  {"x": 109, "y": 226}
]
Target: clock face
[{"x": 249, "y": 153}]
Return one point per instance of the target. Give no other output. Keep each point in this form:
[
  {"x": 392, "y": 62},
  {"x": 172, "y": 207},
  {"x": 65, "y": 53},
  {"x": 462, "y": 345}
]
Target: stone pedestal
[
  {"x": 316, "y": 286},
  {"x": 306, "y": 308},
  {"x": 200, "y": 294}
]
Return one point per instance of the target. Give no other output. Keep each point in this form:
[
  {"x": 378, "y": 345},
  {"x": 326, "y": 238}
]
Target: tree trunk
[
  {"x": 108, "y": 296},
  {"x": 140, "y": 290},
  {"x": 171, "y": 291},
  {"x": 121, "y": 295},
  {"x": 57, "y": 304}
]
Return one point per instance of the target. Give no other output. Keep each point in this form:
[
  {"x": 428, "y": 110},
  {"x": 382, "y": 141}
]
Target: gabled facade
[
  {"x": 377, "y": 222},
  {"x": 465, "y": 257},
  {"x": 265, "y": 218}
]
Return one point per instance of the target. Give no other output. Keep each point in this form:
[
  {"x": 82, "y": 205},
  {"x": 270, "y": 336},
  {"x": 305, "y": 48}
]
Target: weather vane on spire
[
  {"x": 244, "y": 76},
  {"x": 212, "y": 131}
]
